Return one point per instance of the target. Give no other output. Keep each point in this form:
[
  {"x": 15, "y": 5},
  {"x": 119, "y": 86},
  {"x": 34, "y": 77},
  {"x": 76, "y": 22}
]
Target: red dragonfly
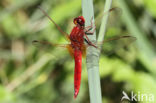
[{"x": 77, "y": 47}]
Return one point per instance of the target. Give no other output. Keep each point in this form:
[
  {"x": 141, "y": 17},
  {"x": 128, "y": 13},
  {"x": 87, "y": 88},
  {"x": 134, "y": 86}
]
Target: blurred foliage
[{"x": 30, "y": 74}]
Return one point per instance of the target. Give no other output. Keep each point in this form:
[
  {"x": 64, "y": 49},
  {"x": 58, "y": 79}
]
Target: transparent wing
[
  {"x": 115, "y": 44},
  {"x": 113, "y": 11},
  {"x": 62, "y": 32},
  {"x": 128, "y": 38},
  {"x": 46, "y": 46}
]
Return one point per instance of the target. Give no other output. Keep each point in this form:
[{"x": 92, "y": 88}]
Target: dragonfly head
[{"x": 79, "y": 21}]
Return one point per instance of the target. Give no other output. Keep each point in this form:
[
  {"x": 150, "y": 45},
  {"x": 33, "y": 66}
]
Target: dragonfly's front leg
[
  {"x": 90, "y": 32},
  {"x": 88, "y": 28}
]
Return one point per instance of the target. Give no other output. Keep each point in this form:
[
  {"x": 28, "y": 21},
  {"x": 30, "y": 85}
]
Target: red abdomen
[{"x": 77, "y": 72}]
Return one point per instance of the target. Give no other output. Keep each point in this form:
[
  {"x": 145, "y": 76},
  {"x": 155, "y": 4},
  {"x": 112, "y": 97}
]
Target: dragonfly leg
[
  {"x": 90, "y": 32},
  {"x": 88, "y": 28},
  {"x": 89, "y": 42}
]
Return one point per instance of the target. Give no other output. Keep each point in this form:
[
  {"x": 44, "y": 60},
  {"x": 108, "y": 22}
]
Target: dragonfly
[{"x": 78, "y": 42}]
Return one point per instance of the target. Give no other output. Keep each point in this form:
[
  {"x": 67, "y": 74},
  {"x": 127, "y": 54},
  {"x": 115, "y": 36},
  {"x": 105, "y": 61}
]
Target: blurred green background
[{"x": 44, "y": 74}]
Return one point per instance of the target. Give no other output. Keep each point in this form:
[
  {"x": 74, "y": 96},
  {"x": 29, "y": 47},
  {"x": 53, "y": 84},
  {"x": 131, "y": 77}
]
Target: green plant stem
[
  {"x": 92, "y": 59},
  {"x": 104, "y": 21}
]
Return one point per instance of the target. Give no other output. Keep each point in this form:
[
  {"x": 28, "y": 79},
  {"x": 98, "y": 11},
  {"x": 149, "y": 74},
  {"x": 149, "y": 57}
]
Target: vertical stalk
[
  {"x": 92, "y": 59},
  {"x": 104, "y": 21}
]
